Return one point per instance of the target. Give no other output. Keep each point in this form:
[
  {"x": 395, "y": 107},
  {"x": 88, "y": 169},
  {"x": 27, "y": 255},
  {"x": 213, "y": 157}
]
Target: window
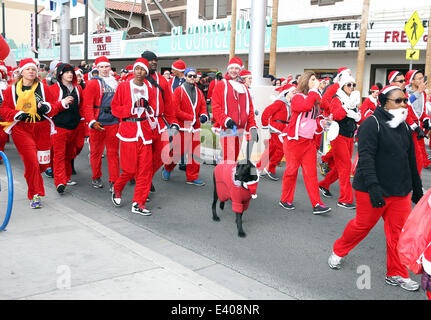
[
  {"x": 117, "y": 23},
  {"x": 206, "y": 9},
  {"x": 176, "y": 21},
  {"x": 221, "y": 8},
  {"x": 155, "y": 24},
  {"x": 81, "y": 25},
  {"x": 73, "y": 26}
]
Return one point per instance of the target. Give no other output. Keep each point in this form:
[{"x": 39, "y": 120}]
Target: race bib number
[{"x": 44, "y": 157}]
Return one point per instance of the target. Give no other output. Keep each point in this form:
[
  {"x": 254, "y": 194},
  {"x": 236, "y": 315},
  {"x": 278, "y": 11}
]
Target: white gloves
[{"x": 354, "y": 115}]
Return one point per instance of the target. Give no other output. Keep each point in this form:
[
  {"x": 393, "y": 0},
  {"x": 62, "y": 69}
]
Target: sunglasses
[
  {"x": 400, "y": 81},
  {"x": 351, "y": 85},
  {"x": 192, "y": 76},
  {"x": 399, "y": 100}
]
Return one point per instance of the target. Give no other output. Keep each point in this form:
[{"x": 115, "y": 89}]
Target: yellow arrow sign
[
  {"x": 414, "y": 29},
  {"x": 412, "y": 54}
]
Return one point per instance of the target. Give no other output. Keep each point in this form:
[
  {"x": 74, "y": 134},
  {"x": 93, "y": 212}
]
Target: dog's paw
[
  {"x": 242, "y": 234},
  {"x": 216, "y": 219}
]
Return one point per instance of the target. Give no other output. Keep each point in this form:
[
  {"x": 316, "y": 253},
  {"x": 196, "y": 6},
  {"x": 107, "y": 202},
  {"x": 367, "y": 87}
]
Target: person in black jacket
[{"x": 385, "y": 176}]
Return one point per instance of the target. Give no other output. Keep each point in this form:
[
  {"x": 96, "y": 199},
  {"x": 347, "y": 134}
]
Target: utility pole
[
  {"x": 256, "y": 51},
  {"x": 65, "y": 33},
  {"x": 362, "y": 43},
  {"x": 86, "y": 32},
  {"x": 233, "y": 31},
  {"x": 36, "y": 31},
  {"x": 428, "y": 54},
  {"x": 273, "y": 50},
  {"x": 3, "y": 19}
]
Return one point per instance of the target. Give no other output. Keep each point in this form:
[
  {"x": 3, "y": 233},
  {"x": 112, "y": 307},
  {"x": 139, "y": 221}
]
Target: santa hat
[
  {"x": 3, "y": 67},
  {"x": 411, "y": 75},
  {"x": 393, "y": 75},
  {"x": 343, "y": 69},
  {"x": 374, "y": 88},
  {"x": 102, "y": 61},
  {"x": 26, "y": 63},
  {"x": 245, "y": 74},
  {"x": 345, "y": 79},
  {"x": 235, "y": 62},
  {"x": 286, "y": 89},
  {"x": 141, "y": 62},
  {"x": 199, "y": 74},
  {"x": 79, "y": 71},
  {"x": 388, "y": 89},
  {"x": 179, "y": 65}
]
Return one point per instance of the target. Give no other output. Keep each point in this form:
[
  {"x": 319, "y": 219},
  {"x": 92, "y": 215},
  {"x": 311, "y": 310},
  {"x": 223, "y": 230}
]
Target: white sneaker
[
  {"x": 405, "y": 283},
  {"x": 334, "y": 261}
]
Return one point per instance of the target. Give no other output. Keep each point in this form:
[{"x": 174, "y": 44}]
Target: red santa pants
[
  {"x": 342, "y": 150},
  {"x": 160, "y": 148},
  {"x": 136, "y": 163},
  {"x": 418, "y": 153},
  {"x": 186, "y": 144},
  {"x": 80, "y": 137},
  {"x": 272, "y": 154},
  {"x": 29, "y": 139},
  {"x": 302, "y": 153},
  {"x": 64, "y": 148},
  {"x": 4, "y": 137},
  {"x": 425, "y": 161},
  {"x": 394, "y": 215},
  {"x": 231, "y": 147},
  {"x": 98, "y": 141}
]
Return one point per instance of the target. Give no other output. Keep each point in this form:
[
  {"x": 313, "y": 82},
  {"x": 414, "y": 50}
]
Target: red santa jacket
[
  {"x": 367, "y": 108},
  {"x": 229, "y": 189},
  {"x": 276, "y": 116},
  {"x": 122, "y": 107},
  {"x": 8, "y": 111},
  {"x": 229, "y": 103},
  {"x": 327, "y": 98},
  {"x": 302, "y": 106},
  {"x": 92, "y": 94},
  {"x": 211, "y": 88},
  {"x": 163, "y": 103},
  {"x": 187, "y": 113},
  {"x": 57, "y": 93}
]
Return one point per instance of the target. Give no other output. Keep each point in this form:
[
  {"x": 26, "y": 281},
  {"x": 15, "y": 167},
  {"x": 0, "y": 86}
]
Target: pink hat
[
  {"x": 141, "y": 62},
  {"x": 179, "y": 65},
  {"x": 235, "y": 62},
  {"x": 26, "y": 63},
  {"x": 102, "y": 61},
  {"x": 393, "y": 75}
]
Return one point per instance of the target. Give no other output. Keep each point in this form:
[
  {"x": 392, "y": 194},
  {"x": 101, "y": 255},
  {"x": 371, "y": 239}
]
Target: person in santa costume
[
  {"x": 418, "y": 120},
  {"x": 27, "y": 109},
  {"x": 191, "y": 113},
  {"x": 135, "y": 104},
  {"x": 383, "y": 184},
  {"x": 178, "y": 68},
  {"x": 344, "y": 109},
  {"x": 165, "y": 113},
  {"x": 232, "y": 109},
  {"x": 64, "y": 141},
  {"x": 370, "y": 103},
  {"x": 299, "y": 146},
  {"x": 213, "y": 83},
  {"x": 103, "y": 125},
  {"x": 329, "y": 92},
  {"x": 4, "y": 137},
  {"x": 275, "y": 117}
]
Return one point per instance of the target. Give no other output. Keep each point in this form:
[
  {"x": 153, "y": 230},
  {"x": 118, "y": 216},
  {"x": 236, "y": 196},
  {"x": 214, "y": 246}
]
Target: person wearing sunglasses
[
  {"x": 344, "y": 109},
  {"x": 385, "y": 177},
  {"x": 191, "y": 112},
  {"x": 417, "y": 118}
]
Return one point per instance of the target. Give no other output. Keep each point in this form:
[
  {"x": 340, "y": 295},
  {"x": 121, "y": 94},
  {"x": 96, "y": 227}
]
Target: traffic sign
[
  {"x": 414, "y": 29},
  {"x": 412, "y": 54}
]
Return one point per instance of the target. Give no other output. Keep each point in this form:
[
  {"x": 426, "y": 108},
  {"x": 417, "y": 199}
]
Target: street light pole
[
  {"x": 86, "y": 32},
  {"x": 36, "y": 31},
  {"x": 65, "y": 33},
  {"x": 362, "y": 43},
  {"x": 3, "y": 19},
  {"x": 256, "y": 53}
]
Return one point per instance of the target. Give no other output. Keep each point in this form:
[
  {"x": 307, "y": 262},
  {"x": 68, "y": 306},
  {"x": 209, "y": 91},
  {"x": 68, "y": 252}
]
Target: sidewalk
[{"x": 58, "y": 253}]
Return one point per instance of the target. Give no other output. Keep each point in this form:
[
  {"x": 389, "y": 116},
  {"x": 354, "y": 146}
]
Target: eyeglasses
[
  {"x": 400, "y": 81},
  {"x": 399, "y": 100},
  {"x": 192, "y": 76},
  {"x": 351, "y": 85}
]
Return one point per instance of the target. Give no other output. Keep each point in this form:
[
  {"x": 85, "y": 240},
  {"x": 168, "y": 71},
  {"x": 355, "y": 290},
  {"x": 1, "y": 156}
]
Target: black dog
[{"x": 236, "y": 182}]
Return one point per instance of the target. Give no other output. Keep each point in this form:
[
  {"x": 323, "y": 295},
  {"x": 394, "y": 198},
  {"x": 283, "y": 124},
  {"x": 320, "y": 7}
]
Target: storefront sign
[{"x": 105, "y": 44}]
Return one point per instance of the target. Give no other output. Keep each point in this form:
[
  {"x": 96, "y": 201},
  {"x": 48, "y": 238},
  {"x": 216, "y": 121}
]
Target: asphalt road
[{"x": 287, "y": 251}]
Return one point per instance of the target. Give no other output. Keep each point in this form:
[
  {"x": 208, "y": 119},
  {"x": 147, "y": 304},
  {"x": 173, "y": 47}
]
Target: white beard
[
  {"x": 110, "y": 81},
  {"x": 399, "y": 116}
]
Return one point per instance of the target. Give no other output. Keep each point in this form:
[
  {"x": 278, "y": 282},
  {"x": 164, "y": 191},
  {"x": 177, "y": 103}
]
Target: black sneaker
[
  {"x": 139, "y": 208},
  {"x": 49, "y": 173},
  {"x": 182, "y": 167},
  {"x": 111, "y": 187},
  {"x": 116, "y": 198},
  {"x": 152, "y": 188},
  {"x": 132, "y": 181},
  {"x": 60, "y": 188},
  {"x": 97, "y": 183},
  {"x": 270, "y": 175},
  {"x": 287, "y": 205},
  {"x": 319, "y": 209},
  {"x": 325, "y": 192},
  {"x": 346, "y": 205}
]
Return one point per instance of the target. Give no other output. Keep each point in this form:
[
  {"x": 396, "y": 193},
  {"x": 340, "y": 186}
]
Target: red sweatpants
[
  {"x": 64, "y": 148},
  {"x": 394, "y": 215},
  {"x": 29, "y": 138},
  {"x": 231, "y": 147},
  {"x": 418, "y": 153},
  {"x": 186, "y": 143},
  {"x": 160, "y": 149},
  {"x": 80, "y": 137},
  {"x": 272, "y": 155},
  {"x": 4, "y": 137},
  {"x": 425, "y": 161},
  {"x": 98, "y": 141},
  {"x": 342, "y": 150},
  {"x": 302, "y": 153},
  {"x": 136, "y": 163}
]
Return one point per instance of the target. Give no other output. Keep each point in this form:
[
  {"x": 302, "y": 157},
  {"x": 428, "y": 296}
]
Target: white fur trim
[{"x": 141, "y": 65}]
